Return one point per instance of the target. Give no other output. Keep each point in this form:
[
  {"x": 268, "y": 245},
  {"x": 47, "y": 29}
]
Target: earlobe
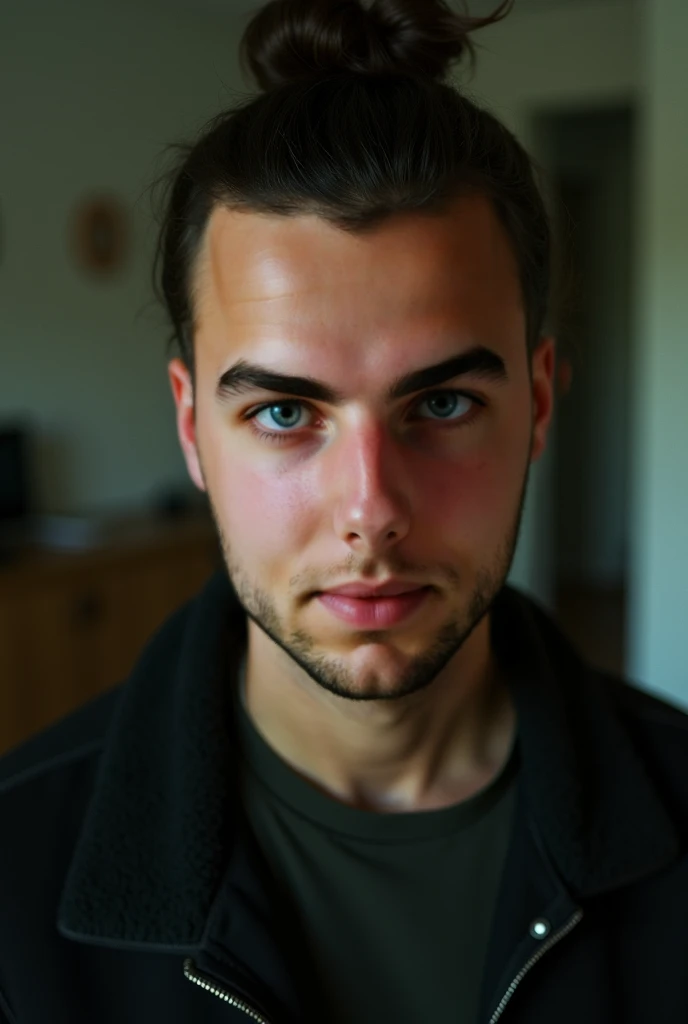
[
  {"x": 182, "y": 392},
  {"x": 543, "y": 369}
]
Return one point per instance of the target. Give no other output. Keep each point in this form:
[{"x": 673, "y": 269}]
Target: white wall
[
  {"x": 659, "y": 596},
  {"x": 90, "y": 94}
]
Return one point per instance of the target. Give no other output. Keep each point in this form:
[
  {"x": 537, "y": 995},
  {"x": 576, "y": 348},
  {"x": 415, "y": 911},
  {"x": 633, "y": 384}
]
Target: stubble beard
[{"x": 337, "y": 678}]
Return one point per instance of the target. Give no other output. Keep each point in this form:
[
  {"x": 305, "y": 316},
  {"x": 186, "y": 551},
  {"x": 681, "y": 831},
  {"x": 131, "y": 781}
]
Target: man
[{"x": 358, "y": 777}]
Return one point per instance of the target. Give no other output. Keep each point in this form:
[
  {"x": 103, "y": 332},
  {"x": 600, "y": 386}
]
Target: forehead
[{"x": 262, "y": 278}]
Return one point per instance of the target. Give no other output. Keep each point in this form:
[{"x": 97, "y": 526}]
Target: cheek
[
  {"x": 261, "y": 511},
  {"x": 475, "y": 496},
  {"x": 267, "y": 513},
  {"x": 471, "y": 495}
]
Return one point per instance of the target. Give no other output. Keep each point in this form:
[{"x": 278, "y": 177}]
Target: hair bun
[{"x": 295, "y": 39}]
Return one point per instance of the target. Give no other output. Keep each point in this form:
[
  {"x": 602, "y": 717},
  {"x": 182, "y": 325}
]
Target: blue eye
[
  {"x": 444, "y": 401},
  {"x": 447, "y": 401},
  {"x": 278, "y": 411}
]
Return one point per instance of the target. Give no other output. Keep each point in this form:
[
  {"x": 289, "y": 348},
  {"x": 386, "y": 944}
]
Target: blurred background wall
[
  {"x": 91, "y": 93},
  {"x": 552, "y": 62},
  {"x": 549, "y": 71}
]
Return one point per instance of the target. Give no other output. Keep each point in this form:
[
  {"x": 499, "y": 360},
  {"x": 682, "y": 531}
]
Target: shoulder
[
  {"x": 75, "y": 740},
  {"x": 46, "y": 784},
  {"x": 647, "y": 714},
  {"x": 658, "y": 733},
  {"x": 45, "y": 788},
  {"x": 652, "y": 727},
  {"x": 656, "y": 711}
]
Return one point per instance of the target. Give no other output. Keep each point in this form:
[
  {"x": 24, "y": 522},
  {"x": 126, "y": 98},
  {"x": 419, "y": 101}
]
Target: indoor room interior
[{"x": 102, "y": 533}]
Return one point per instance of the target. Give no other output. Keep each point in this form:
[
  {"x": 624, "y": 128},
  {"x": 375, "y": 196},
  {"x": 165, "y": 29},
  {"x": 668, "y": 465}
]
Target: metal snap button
[{"x": 540, "y": 928}]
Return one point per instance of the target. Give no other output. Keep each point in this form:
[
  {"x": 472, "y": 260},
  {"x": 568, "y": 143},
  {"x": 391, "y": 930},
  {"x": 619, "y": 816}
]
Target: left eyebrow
[{"x": 244, "y": 378}]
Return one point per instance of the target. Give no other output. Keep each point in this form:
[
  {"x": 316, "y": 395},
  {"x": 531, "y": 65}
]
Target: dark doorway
[{"x": 588, "y": 156}]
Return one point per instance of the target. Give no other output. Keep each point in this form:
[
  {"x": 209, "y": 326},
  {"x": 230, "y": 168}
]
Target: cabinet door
[
  {"x": 81, "y": 632},
  {"x": 38, "y": 658},
  {"x": 12, "y": 675},
  {"x": 130, "y": 604}
]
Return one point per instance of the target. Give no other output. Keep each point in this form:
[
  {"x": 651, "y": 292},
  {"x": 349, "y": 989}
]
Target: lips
[
  {"x": 377, "y": 612},
  {"x": 361, "y": 590}
]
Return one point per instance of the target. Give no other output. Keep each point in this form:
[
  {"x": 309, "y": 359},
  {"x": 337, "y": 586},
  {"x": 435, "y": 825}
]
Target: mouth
[{"x": 374, "y": 612}]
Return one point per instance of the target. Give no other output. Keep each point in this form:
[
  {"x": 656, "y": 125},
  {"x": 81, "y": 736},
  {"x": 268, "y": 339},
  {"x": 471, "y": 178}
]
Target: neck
[{"x": 425, "y": 751}]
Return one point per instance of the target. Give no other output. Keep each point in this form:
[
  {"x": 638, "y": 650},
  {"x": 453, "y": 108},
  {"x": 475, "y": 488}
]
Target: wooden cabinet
[{"x": 73, "y": 624}]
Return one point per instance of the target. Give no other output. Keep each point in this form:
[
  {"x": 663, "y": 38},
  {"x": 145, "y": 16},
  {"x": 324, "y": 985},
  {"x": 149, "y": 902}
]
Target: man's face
[{"x": 428, "y": 486}]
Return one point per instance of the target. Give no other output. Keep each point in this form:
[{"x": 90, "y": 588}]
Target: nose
[{"x": 372, "y": 505}]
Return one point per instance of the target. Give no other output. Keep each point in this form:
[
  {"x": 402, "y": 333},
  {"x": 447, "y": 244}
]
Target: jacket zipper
[
  {"x": 552, "y": 941},
  {"x": 192, "y": 974}
]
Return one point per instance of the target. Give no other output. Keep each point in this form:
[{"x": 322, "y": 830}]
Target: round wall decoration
[{"x": 101, "y": 235}]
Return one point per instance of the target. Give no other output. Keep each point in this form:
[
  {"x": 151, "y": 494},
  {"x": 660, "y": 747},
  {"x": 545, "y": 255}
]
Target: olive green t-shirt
[{"x": 393, "y": 910}]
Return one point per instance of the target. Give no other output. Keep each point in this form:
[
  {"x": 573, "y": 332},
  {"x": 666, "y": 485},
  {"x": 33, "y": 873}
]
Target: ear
[
  {"x": 543, "y": 362},
  {"x": 182, "y": 392}
]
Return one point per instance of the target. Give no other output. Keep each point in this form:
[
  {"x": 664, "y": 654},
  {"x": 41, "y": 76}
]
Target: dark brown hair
[{"x": 355, "y": 124}]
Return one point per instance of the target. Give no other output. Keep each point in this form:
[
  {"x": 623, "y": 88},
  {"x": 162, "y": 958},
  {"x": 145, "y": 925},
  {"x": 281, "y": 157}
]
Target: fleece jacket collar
[{"x": 163, "y": 820}]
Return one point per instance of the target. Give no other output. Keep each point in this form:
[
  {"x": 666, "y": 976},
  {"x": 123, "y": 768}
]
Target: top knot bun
[{"x": 296, "y": 39}]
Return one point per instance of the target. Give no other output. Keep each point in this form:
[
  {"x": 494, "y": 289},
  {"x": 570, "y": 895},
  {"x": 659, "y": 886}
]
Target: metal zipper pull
[
  {"x": 552, "y": 941},
  {"x": 192, "y": 974}
]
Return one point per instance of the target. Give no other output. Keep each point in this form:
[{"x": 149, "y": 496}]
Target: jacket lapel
[
  {"x": 165, "y": 861},
  {"x": 249, "y": 943},
  {"x": 530, "y": 891},
  {"x": 154, "y": 841}
]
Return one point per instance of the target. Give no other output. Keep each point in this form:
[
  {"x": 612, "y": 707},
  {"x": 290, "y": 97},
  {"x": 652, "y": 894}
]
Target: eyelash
[{"x": 280, "y": 436}]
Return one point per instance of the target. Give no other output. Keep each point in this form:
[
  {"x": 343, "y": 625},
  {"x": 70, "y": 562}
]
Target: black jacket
[{"x": 131, "y": 889}]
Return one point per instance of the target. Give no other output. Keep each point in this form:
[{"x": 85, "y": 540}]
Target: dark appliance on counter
[{"x": 15, "y": 488}]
